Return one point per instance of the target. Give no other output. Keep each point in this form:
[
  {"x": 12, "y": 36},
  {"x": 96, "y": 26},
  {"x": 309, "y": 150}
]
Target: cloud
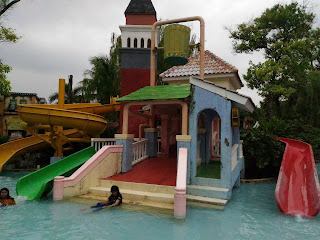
[{"x": 59, "y": 36}]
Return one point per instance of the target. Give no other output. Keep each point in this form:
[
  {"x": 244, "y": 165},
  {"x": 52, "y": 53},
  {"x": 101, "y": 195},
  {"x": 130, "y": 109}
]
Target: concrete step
[
  {"x": 153, "y": 188},
  {"x": 191, "y": 201},
  {"x": 146, "y": 203},
  {"x": 206, "y": 200},
  {"x": 210, "y": 192},
  {"x": 133, "y": 195},
  {"x": 160, "y": 199}
]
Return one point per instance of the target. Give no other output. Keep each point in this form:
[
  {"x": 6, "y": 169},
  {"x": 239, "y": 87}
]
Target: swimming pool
[{"x": 252, "y": 214}]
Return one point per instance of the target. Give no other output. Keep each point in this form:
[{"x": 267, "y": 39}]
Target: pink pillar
[
  {"x": 180, "y": 198},
  {"x": 180, "y": 203},
  {"x": 164, "y": 134},
  {"x": 58, "y": 187}
]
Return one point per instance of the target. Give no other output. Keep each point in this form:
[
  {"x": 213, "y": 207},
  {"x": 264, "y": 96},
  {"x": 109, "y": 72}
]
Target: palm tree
[
  {"x": 74, "y": 96},
  {"x": 103, "y": 80}
]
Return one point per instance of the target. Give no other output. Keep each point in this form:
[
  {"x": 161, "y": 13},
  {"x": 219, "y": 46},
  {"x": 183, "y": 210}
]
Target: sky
[{"x": 58, "y": 37}]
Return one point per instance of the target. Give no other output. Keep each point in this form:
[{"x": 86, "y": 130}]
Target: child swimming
[
  {"x": 5, "y": 198},
  {"x": 114, "y": 200}
]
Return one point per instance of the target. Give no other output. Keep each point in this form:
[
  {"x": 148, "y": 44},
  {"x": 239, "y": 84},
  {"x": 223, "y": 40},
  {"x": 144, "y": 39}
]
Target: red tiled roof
[{"x": 212, "y": 65}]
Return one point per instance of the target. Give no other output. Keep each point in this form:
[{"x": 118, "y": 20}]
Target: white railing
[
  {"x": 159, "y": 146},
  {"x": 241, "y": 149},
  {"x": 139, "y": 151},
  {"x": 98, "y": 143},
  {"x": 234, "y": 156}
]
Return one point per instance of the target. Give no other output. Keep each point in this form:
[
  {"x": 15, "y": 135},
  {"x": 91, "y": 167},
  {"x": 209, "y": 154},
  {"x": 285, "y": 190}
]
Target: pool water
[{"x": 251, "y": 214}]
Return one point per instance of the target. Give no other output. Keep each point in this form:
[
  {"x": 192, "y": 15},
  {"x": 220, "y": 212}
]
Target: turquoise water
[{"x": 252, "y": 214}]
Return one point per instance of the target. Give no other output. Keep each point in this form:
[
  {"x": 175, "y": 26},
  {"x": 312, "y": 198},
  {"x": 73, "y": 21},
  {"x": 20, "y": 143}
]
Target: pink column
[
  {"x": 180, "y": 198},
  {"x": 58, "y": 187},
  {"x": 164, "y": 134}
]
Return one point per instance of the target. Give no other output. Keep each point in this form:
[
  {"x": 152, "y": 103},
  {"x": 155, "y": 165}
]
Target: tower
[{"x": 135, "y": 52}]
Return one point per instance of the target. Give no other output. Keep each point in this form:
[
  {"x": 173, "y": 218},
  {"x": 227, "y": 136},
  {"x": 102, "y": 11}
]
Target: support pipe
[
  {"x": 62, "y": 84},
  {"x": 153, "y": 44}
]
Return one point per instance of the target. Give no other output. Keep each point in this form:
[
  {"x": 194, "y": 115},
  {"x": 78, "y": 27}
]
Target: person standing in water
[{"x": 5, "y": 198}]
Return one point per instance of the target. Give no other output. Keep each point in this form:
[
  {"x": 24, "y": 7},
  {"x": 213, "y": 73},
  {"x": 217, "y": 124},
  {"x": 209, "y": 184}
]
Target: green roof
[{"x": 158, "y": 93}]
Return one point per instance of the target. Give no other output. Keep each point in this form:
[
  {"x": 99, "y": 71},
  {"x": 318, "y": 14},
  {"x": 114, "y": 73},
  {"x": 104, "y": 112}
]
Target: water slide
[
  {"x": 83, "y": 118},
  {"x": 40, "y": 183},
  {"x": 297, "y": 191},
  {"x": 78, "y": 117},
  {"x": 22, "y": 146}
]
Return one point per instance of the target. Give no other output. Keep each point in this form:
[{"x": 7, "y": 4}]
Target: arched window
[
  {"x": 149, "y": 43},
  {"x": 128, "y": 42},
  {"x": 135, "y": 43},
  {"x": 142, "y": 43}
]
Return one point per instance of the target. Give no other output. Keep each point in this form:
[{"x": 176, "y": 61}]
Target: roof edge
[{"x": 244, "y": 102}]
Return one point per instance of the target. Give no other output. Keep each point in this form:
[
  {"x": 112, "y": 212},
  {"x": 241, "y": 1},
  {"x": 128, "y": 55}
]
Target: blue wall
[{"x": 207, "y": 101}]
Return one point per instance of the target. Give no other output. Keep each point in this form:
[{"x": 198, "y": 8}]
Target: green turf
[{"x": 211, "y": 170}]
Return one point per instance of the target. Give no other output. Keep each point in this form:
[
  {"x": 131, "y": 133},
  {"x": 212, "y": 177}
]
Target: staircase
[{"x": 158, "y": 196}]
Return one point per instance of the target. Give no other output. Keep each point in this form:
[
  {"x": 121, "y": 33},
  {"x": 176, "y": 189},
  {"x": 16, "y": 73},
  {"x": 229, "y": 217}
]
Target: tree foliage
[
  {"x": 5, "y": 5},
  {"x": 76, "y": 95},
  {"x": 102, "y": 81},
  {"x": 291, "y": 47},
  {"x": 288, "y": 79},
  {"x": 9, "y": 36}
]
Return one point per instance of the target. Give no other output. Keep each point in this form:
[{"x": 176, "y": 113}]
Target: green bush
[
  {"x": 3, "y": 139},
  {"x": 263, "y": 154}
]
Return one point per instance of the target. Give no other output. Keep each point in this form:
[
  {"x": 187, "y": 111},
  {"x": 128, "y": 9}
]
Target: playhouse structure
[{"x": 178, "y": 142}]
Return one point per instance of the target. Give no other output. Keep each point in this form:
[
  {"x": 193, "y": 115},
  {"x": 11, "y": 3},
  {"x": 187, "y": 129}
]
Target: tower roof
[{"x": 143, "y": 7}]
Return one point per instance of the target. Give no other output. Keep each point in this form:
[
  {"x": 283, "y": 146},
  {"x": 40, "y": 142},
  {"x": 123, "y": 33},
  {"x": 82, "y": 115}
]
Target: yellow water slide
[
  {"x": 63, "y": 123},
  {"x": 81, "y": 119},
  {"x": 22, "y": 146}
]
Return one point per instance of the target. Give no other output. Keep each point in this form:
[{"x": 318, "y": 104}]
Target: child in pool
[
  {"x": 114, "y": 200},
  {"x": 5, "y": 198}
]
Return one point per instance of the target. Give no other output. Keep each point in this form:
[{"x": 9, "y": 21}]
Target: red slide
[{"x": 298, "y": 190}]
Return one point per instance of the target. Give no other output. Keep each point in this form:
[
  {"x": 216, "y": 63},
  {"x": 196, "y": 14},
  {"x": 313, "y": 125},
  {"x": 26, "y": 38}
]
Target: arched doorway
[{"x": 208, "y": 149}]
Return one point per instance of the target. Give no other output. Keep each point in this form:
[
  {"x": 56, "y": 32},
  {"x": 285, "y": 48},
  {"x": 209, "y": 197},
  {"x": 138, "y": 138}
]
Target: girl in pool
[
  {"x": 114, "y": 200},
  {"x": 5, "y": 198}
]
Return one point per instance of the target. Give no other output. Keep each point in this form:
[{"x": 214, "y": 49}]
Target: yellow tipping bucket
[{"x": 176, "y": 44}]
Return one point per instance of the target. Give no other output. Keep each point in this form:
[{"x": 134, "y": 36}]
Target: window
[
  {"x": 149, "y": 43},
  {"x": 135, "y": 43},
  {"x": 142, "y": 43},
  {"x": 23, "y": 101},
  {"x": 128, "y": 42},
  {"x": 13, "y": 104}
]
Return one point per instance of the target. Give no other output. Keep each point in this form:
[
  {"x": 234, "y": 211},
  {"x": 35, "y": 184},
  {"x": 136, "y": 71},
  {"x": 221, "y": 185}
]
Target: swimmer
[{"x": 5, "y": 198}]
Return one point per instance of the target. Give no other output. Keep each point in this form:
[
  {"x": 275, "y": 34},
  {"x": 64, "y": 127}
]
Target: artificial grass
[{"x": 210, "y": 170}]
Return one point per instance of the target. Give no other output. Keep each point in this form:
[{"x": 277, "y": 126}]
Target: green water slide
[{"x": 39, "y": 183}]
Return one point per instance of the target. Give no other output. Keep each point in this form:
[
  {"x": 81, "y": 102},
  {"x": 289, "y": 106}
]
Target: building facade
[{"x": 10, "y": 123}]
